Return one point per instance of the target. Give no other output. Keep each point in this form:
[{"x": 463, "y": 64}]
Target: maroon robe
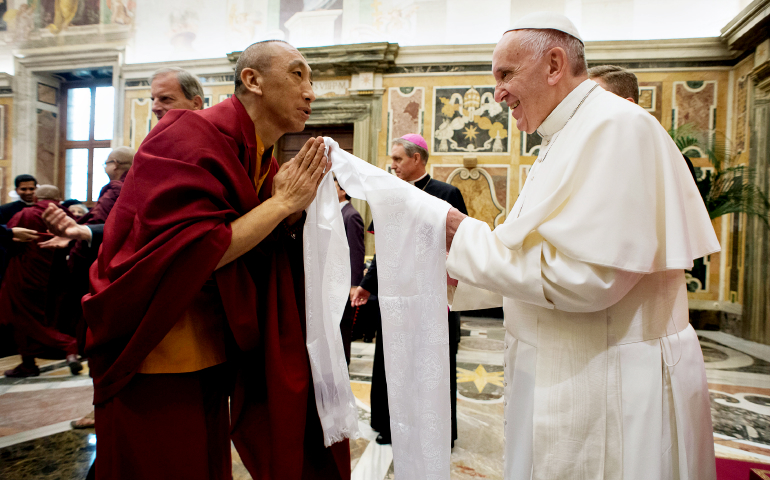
[
  {"x": 191, "y": 177},
  {"x": 81, "y": 256},
  {"x": 25, "y": 289}
]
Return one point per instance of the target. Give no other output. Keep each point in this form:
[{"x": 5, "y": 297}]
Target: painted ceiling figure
[{"x": 64, "y": 13}]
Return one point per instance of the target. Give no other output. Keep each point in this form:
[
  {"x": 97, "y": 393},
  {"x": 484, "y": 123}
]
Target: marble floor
[{"x": 36, "y": 440}]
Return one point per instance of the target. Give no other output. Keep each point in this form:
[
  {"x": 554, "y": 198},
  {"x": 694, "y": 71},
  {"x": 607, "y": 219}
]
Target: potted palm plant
[{"x": 728, "y": 188}]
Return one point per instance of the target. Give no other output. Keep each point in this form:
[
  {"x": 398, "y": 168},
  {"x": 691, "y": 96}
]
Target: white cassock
[{"x": 604, "y": 376}]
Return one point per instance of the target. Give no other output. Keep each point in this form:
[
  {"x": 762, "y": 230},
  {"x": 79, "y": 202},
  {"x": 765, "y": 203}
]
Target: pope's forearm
[
  {"x": 252, "y": 228},
  {"x": 481, "y": 260}
]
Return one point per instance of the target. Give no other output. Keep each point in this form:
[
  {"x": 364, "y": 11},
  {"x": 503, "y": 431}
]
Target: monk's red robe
[
  {"x": 192, "y": 176},
  {"x": 25, "y": 292},
  {"x": 81, "y": 256}
]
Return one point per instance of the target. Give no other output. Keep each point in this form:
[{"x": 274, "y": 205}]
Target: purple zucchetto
[{"x": 416, "y": 139}]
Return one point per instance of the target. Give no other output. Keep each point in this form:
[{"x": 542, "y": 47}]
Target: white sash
[{"x": 411, "y": 251}]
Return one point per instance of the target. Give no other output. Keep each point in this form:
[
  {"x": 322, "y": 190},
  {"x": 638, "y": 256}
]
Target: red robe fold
[
  {"x": 191, "y": 177},
  {"x": 24, "y": 294}
]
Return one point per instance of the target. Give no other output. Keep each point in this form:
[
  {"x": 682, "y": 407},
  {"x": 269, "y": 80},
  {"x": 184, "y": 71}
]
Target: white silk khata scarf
[{"x": 411, "y": 265}]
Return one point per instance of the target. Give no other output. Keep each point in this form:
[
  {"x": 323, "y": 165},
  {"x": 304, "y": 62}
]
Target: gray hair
[
  {"x": 412, "y": 148},
  {"x": 540, "y": 41},
  {"x": 191, "y": 86}
]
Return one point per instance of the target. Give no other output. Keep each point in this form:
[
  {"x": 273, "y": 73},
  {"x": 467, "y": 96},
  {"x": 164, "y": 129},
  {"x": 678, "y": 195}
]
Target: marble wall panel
[
  {"x": 140, "y": 121},
  {"x": 3, "y": 189},
  {"x": 484, "y": 189},
  {"x": 650, "y": 98},
  {"x": 530, "y": 144},
  {"x": 698, "y": 278},
  {"x": 741, "y": 116},
  {"x": 469, "y": 120},
  {"x": 3, "y": 133},
  {"x": 45, "y": 168},
  {"x": 406, "y": 109},
  {"x": 695, "y": 103}
]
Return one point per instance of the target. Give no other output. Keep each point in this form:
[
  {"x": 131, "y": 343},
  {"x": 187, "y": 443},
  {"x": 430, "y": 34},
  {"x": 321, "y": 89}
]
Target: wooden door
[{"x": 291, "y": 143}]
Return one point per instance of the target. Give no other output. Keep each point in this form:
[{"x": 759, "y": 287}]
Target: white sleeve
[{"x": 537, "y": 273}]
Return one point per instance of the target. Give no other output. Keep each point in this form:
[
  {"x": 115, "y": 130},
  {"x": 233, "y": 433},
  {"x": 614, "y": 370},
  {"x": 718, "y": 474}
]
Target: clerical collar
[
  {"x": 343, "y": 203},
  {"x": 419, "y": 182},
  {"x": 563, "y": 111}
]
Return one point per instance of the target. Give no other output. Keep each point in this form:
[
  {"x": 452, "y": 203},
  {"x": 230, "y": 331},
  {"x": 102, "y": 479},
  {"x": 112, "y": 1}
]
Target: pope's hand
[
  {"x": 297, "y": 181},
  {"x": 359, "y": 297},
  {"x": 23, "y": 234}
]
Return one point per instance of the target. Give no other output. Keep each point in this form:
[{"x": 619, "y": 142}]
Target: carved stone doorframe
[
  {"x": 28, "y": 66},
  {"x": 756, "y": 305}
]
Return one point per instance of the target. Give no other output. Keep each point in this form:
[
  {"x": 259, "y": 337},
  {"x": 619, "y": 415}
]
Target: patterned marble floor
[{"x": 36, "y": 440}]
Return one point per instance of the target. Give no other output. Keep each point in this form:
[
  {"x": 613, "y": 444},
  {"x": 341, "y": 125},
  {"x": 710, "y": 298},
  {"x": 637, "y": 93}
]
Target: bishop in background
[{"x": 604, "y": 377}]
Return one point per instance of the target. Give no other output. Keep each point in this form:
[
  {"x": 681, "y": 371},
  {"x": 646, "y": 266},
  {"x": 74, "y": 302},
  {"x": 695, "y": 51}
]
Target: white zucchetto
[{"x": 547, "y": 20}]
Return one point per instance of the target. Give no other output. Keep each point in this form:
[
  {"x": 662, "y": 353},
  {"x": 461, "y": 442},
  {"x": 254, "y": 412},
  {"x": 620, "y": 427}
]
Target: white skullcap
[{"x": 547, "y": 20}]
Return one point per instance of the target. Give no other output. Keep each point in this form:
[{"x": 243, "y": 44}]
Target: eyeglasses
[{"x": 109, "y": 162}]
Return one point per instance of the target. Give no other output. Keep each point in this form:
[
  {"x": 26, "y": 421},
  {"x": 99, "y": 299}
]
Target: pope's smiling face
[{"x": 522, "y": 82}]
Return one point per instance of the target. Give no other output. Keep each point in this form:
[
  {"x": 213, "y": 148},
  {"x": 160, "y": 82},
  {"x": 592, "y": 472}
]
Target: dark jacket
[{"x": 354, "y": 229}]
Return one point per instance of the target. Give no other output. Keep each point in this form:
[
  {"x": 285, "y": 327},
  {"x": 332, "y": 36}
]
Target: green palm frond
[{"x": 731, "y": 188}]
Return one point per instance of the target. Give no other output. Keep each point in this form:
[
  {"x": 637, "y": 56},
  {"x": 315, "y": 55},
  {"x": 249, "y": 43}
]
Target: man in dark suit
[
  {"x": 354, "y": 229},
  {"x": 25, "y": 189},
  {"x": 409, "y": 156}
]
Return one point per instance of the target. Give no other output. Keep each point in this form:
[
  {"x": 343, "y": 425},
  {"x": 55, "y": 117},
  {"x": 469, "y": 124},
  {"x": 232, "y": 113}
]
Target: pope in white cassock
[{"x": 604, "y": 376}]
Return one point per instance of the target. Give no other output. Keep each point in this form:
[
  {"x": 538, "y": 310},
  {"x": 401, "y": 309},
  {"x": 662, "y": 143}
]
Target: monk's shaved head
[
  {"x": 48, "y": 192},
  {"x": 123, "y": 157},
  {"x": 258, "y": 56}
]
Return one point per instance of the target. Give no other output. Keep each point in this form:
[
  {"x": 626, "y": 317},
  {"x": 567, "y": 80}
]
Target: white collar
[
  {"x": 343, "y": 203},
  {"x": 563, "y": 111},
  {"x": 418, "y": 179}
]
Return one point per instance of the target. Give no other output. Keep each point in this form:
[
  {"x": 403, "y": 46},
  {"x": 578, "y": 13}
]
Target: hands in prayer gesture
[{"x": 296, "y": 183}]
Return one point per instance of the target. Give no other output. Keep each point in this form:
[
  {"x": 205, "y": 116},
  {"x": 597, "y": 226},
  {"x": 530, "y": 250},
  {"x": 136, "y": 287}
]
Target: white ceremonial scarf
[{"x": 411, "y": 250}]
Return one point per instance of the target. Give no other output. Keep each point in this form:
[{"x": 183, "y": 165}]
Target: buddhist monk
[
  {"x": 82, "y": 255},
  {"x": 199, "y": 280},
  {"x": 23, "y": 295}
]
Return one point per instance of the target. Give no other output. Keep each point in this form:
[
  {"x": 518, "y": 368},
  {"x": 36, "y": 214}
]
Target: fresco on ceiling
[
  {"x": 197, "y": 29},
  {"x": 32, "y": 20}
]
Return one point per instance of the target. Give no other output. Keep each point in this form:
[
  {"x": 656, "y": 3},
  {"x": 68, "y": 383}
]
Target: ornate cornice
[
  {"x": 749, "y": 27},
  {"x": 338, "y": 60}
]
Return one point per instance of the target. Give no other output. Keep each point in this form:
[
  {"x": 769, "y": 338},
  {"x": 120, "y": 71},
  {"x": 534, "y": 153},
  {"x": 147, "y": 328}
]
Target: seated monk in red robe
[
  {"x": 199, "y": 281},
  {"x": 24, "y": 295}
]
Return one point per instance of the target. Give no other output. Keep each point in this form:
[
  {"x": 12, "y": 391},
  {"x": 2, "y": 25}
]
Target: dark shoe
[
  {"x": 382, "y": 439},
  {"x": 23, "y": 371},
  {"x": 74, "y": 364}
]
